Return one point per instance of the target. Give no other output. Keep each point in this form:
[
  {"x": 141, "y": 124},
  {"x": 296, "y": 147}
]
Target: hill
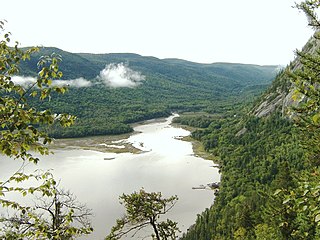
[
  {"x": 156, "y": 88},
  {"x": 268, "y": 164}
]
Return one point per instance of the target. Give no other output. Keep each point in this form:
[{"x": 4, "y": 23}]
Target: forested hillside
[
  {"x": 269, "y": 158},
  {"x": 162, "y": 86},
  {"x": 256, "y": 157}
]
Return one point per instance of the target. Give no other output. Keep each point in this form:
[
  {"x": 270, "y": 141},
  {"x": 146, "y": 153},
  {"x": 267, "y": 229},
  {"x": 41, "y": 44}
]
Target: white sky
[{"x": 244, "y": 31}]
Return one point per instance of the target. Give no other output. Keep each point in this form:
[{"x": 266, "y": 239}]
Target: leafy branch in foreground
[
  {"x": 302, "y": 202},
  {"x": 19, "y": 120},
  {"x": 54, "y": 214},
  {"x": 56, "y": 211},
  {"x": 144, "y": 209},
  {"x": 306, "y": 80}
]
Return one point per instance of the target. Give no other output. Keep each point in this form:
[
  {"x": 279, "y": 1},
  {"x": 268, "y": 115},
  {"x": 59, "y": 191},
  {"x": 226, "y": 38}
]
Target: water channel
[{"x": 165, "y": 163}]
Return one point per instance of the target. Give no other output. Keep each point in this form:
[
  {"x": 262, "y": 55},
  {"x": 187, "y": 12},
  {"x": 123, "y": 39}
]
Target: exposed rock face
[
  {"x": 241, "y": 132},
  {"x": 268, "y": 106},
  {"x": 280, "y": 97}
]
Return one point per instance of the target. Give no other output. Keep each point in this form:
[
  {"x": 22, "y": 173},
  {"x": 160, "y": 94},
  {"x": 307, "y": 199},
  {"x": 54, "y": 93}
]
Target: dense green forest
[
  {"x": 256, "y": 157},
  {"x": 264, "y": 158},
  {"x": 169, "y": 85},
  {"x": 268, "y": 155},
  {"x": 267, "y": 146}
]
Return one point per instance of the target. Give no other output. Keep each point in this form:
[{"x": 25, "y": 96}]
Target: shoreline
[
  {"x": 104, "y": 143},
  {"x": 197, "y": 146},
  {"x": 120, "y": 143}
]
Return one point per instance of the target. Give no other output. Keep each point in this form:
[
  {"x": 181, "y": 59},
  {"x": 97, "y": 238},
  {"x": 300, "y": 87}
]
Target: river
[{"x": 166, "y": 164}]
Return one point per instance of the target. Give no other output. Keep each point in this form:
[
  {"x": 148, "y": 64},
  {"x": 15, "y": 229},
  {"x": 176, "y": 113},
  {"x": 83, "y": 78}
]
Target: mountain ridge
[{"x": 168, "y": 86}]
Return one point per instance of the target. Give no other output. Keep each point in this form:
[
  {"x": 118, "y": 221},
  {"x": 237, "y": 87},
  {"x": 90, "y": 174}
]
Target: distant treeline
[{"x": 169, "y": 85}]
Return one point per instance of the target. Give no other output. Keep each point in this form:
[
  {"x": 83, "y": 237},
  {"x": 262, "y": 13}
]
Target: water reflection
[{"x": 166, "y": 165}]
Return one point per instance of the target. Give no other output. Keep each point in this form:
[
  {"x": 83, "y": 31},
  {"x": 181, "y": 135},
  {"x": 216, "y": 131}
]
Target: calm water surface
[{"x": 167, "y": 165}]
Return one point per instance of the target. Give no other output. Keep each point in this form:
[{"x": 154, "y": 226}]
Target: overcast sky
[{"x": 206, "y": 31}]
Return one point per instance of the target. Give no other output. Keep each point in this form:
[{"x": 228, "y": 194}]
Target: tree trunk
[{"x": 155, "y": 229}]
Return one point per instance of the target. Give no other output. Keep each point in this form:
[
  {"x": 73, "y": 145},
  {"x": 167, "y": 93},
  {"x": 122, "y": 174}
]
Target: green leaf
[
  {"x": 315, "y": 118},
  {"x": 286, "y": 200},
  {"x": 305, "y": 192},
  {"x": 34, "y": 93},
  {"x": 277, "y": 192}
]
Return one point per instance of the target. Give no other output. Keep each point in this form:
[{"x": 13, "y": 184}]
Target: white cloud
[
  {"x": 120, "y": 75},
  {"x": 77, "y": 83},
  {"x": 113, "y": 75},
  {"x": 23, "y": 81}
]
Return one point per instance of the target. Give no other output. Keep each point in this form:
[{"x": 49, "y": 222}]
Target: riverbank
[
  {"x": 197, "y": 146},
  {"x": 98, "y": 178},
  {"x": 199, "y": 150},
  {"x": 108, "y": 143},
  {"x": 120, "y": 143},
  {"x": 104, "y": 143}
]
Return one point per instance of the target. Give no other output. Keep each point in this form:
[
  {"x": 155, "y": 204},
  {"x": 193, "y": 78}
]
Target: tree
[
  {"x": 302, "y": 202},
  {"x": 57, "y": 215},
  {"x": 20, "y": 133},
  {"x": 145, "y": 209},
  {"x": 306, "y": 79},
  {"x": 19, "y": 120}
]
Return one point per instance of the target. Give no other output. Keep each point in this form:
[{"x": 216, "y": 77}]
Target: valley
[
  {"x": 106, "y": 132},
  {"x": 161, "y": 164},
  {"x": 167, "y": 85}
]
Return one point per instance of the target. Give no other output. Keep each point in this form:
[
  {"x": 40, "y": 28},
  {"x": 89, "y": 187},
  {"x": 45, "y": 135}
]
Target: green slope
[
  {"x": 169, "y": 85},
  {"x": 259, "y": 151}
]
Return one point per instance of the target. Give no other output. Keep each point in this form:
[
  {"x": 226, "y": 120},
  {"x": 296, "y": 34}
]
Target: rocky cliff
[{"x": 279, "y": 95}]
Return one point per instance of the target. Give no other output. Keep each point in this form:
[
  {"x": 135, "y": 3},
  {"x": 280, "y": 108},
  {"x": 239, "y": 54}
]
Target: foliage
[
  {"x": 54, "y": 214},
  {"x": 145, "y": 209},
  {"x": 169, "y": 85},
  {"x": 256, "y": 157},
  {"x": 306, "y": 82},
  {"x": 19, "y": 135},
  {"x": 303, "y": 200},
  {"x": 19, "y": 120},
  {"x": 270, "y": 176},
  {"x": 201, "y": 121},
  {"x": 301, "y": 204}
]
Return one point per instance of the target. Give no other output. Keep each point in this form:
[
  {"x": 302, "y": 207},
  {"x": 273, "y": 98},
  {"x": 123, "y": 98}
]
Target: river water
[{"x": 166, "y": 165}]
